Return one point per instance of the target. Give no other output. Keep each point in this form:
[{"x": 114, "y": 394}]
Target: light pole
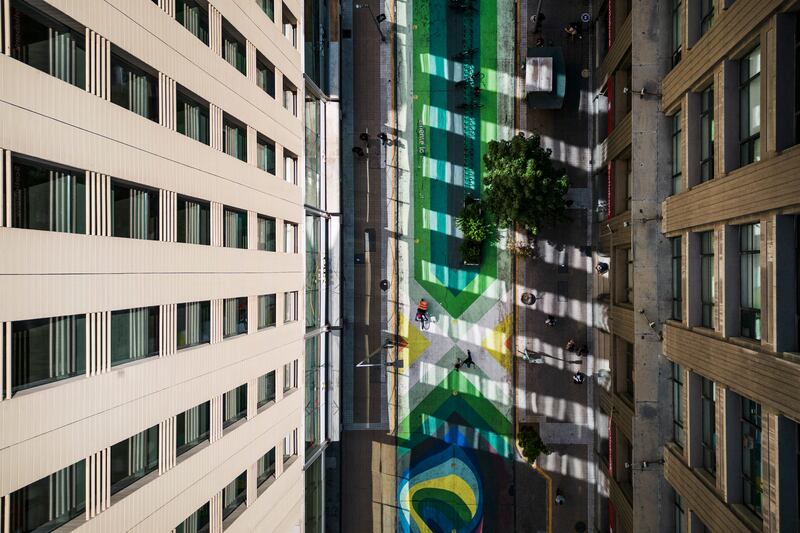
[
  {"x": 386, "y": 346},
  {"x": 376, "y": 19}
]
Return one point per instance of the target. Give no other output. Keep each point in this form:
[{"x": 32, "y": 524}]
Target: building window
[
  {"x": 234, "y": 139},
  {"x": 192, "y": 118},
  {"x": 48, "y": 198},
  {"x": 194, "y": 221},
  {"x": 134, "y": 458},
  {"x": 290, "y": 306},
  {"x": 268, "y": 7},
  {"x": 290, "y": 27},
  {"x": 267, "y": 313},
  {"x": 234, "y": 405},
  {"x": 193, "y": 427},
  {"x": 193, "y": 323},
  {"x": 193, "y": 17},
  {"x": 750, "y": 280},
  {"x": 266, "y": 389},
  {"x": 234, "y": 494},
  {"x": 628, "y": 185},
  {"x": 49, "y": 503},
  {"x": 627, "y": 256},
  {"x": 134, "y": 334},
  {"x": 290, "y": 238},
  {"x": 134, "y": 212},
  {"x": 266, "y": 155},
  {"x": 289, "y": 96},
  {"x": 133, "y": 88},
  {"x": 797, "y": 78},
  {"x": 235, "y": 228},
  {"x": 677, "y": 279},
  {"x": 266, "y": 467},
  {"x": 677, "y": 31},
  {"x": 679, "y": 514},
  {"x": 706, "y": 16},
  {"x": 750, "y": 107},
  {"x": 751, "y": 455},
  {"x": 233, "y": 49},
  {"x": 677, "y": 183},
  {"x": 707, "y": 135},
  {"x": 708, "y": 429},
  {"x": 41, "y": 42},
  {"x": 678, "y": 433},
  {"x": 234, "y": 316},
  {"x": 629, "y": 371},
  {"x": 290, "y": 376},
  {"x": 266, "y": 233},
  {"x": 708, "y": 286},
  {"x": 290, "y": 445},
  {"x": 197, "y": 522},
  {"x": 290, "y": 169},
  {"x": 44, "y": 350},
  {"x": 265, "y": 76}
]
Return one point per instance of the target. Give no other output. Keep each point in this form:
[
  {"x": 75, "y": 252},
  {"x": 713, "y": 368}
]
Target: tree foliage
[
  {"x": 531, "y": 443},
  {"x": 521, "y": 185}
]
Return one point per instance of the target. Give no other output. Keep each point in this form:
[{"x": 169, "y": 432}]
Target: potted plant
[{"x": 476, "y": 229}]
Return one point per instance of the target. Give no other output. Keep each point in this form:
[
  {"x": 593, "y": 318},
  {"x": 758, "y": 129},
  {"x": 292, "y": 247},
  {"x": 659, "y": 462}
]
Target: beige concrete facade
[
  {"x": 739, "y": 427},
  {"x": 50, "y": 274}
]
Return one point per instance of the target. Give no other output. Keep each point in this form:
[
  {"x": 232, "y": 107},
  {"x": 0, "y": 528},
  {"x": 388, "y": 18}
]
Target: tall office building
[
  {"x": 697, "y": 131},
  {"x": 155, "y": 249}
]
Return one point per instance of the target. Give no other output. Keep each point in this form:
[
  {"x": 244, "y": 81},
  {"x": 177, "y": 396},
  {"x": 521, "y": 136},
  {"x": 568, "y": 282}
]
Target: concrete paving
[{"x": 560, "y": 278}]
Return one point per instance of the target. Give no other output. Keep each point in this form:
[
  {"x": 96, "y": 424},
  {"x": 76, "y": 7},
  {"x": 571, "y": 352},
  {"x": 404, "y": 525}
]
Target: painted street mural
[{"x": 455, "y": 448}]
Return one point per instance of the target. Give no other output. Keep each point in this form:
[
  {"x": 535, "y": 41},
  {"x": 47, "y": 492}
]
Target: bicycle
[{"x": 424, "y": 321}]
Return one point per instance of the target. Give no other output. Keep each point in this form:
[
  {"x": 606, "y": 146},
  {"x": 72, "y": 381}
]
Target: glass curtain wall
[
  {"x": 313, "y": 405},
  {"x": 313, "y": 272},
  {"x": 316, "y": 42},
  {"x": 47, "y": 349},
  {"x": 134, "y": 334},
  {"x": 313, "y": 152},
  {"x": 41, "y": 42},
  {"x": 314, "y": 497},
  {"x": 48, "y": 198}
]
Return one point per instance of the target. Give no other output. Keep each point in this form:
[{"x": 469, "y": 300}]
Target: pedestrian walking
[
  {"x": 458, "y": 364},
  {"x": 468, "y": 362},
  {"x": 578, "y": 378},
  {"x": 560, "y": 497},
  {"x": 601, "y": 267},
  {"x": 550, "y": 321},
  {"x": 571, "y": 344}
]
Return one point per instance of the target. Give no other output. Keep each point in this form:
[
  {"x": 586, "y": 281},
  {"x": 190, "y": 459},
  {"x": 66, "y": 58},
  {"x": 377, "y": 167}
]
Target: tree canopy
[{"x": 521, "y": 186}]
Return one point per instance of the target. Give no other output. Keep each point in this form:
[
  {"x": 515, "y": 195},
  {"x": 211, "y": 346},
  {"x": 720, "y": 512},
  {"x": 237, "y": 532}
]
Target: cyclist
[{"x": 422, "y": 311}]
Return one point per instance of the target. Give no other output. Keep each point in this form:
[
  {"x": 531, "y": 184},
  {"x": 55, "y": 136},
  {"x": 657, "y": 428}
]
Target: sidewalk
[{"x": 560, "y": 279}]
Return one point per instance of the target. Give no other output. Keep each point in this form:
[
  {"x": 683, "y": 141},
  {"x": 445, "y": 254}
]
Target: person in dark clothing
[{"x": 468, "y": 362}]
